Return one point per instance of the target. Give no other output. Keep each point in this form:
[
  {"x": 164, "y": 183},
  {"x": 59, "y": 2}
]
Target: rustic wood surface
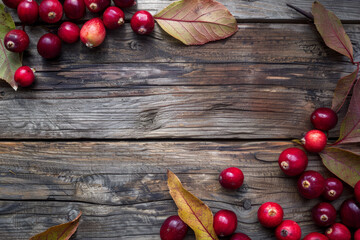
[{"x": 100, "y": 127}]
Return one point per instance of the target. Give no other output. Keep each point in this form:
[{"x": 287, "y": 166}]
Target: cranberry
[
  {"x": 50, "y": 11},
  {"x": 124, "y": 3},
  {"x": 173, "y": 228},
  {"x": 113, "y": 17},
  {"x": 142, "y": 22},
  {"x": 97, "y": 5},
  {"x": 311, "y": 184},
  {"x": 225, "y": 223},
  {"x": 74, "y": 9},
  {"x": 314, "y": 141},
  {"x": 338, "y": 231},
  {"x": 293, "y": 161},
  {"x": 231, "y": 178},
  {"x": 324, "y": 119},
  {"x": 93, "y": 33},
  {"x": 324, "y": 214},
  {"x": 315, "y": 236},
  {"x": 240, "y": 236},
  {"x": 288, "y": 230},
  {"x": 357, "y": 191},
  {"x": 333, "y": 189},
  {"x": 16, "y": 40},
  {"x": 24, "y": 76},
  {"x": 69, "y": 32},
  {"x": 28, "y": 11},
  {"x": 350, "y": 213},
  {"x": 357, "y": 235},
  {"x": 12, "y": 3},
  {"x": 49, "y": 46},
  {"x": 270, "y": 214}
]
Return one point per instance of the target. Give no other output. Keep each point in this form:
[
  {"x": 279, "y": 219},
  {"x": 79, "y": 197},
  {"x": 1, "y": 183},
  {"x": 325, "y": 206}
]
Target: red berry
[
  {"x": 50, "y": 11},
  {"x": 270, "y": 214},
  {"x": 324, "y": 119},
  {"x": 324, "y": 214},
  {"x": 49, "y": 46},
  {"x": 288, "y": 230},
  {"x": 350, "y": 213},
  {"x": 124, "y": 3},
  {"x": 231, "y": 178},
  {"x": 314, "y": 141},
  {"x": 357, "y": 235},
  {"x": 69, "y": 32},
  {"x": 333, "y": 189},
  {"x": 293, "y": 161},
  {"x": 74, "y": 9},
  {"x": 93, "y": 33},
  {"x": 12, "y": 3},
  {"x": 357, "y": 191},
  {"x": 24, "y": 76},
  {"x": 315, "y": 236},
  {"x": 240, "y": 236},
  {"x": 225, "y": 223},
  {"x": 142, "y": 22},
  {"x": 338, "y": 231},
  {"x": 16, "y": 40},
  {"x": 28, "y": 11},
  {"x": 173, "y": 228},
  {"x": 97, "y": 5},
  {"x": 311, "y": 184},
  {"x": 113, "y": 17}
]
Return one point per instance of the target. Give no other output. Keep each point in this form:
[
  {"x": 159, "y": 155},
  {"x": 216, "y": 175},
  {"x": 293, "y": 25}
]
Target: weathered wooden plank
[{"x": 121, "y": 186}]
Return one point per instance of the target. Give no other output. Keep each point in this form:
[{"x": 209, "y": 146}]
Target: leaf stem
[{"x": 299, "y": 10}]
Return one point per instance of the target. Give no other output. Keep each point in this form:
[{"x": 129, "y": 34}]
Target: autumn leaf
[
  {"x": 9, "y": 61},
  {"x": 344, "y": 164},
  {"x": 192, "y": 210},
  {"x": 196, "y": 22},
  {"x": 59, "y": 232},
  {"x": 331, "y": 30}
]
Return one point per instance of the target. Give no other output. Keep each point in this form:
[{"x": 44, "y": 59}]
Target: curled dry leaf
[
  {"x": 59, "y": 232},
  {"x": 192, "y": 210},
  {"x": 331, "y": 30},
  {"x": 344, "y": 164},
  {"x": 196, "y": 22}
]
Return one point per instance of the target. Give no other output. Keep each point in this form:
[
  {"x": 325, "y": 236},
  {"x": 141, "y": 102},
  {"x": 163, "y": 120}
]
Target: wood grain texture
[{"x": 121, "y": 186}]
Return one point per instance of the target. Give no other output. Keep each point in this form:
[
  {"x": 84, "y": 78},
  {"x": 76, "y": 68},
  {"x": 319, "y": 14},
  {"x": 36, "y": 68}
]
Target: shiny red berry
[
  {"x": 173, "y": 228},
  {"x": 11, "y": 3},
  {"x": 270, "y": 214},
  {"x": 69, "y": 32},
  {"x": 311, "y": 184},
  {"x": 324, "y": 214},
  {"x": 24, "y": 76},
  {"x": 124, "y": 3},
  {"x": 357, "y": 191},
  {"x": 314, "y": 141},
  {"x": 240, "y": 236},
  {"x": 350, "y": 213},
  {"x": 225, "y": 223},
  {"x": 113, "y": 17},
  {"x": 93, "y": 33},
  {"x": 338, "y": 231},
  {"x": 142, "y": 22},
  {"x": 333, "y": 189},
  {"x": 324, "y": 119},
  {"x": 288, "y": 230},
  {"x": 231, "y": 178},
  {"x": 28, "y": 11},
  {"x": 293, "y": 161},
  {"x": 357, "y": 235},
  {"x": 49, "y": 46},
  {"x": 16, "y": 40},
  {"x": 50, "y": 11},
  {"x": 97, "y": 5},
  {"x": 74, "y": 9},
  {"x": 315, "y": 236}
]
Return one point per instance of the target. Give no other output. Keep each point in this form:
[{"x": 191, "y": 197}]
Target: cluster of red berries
[
  {"x": 312, "y": 184},
  {"x": 92, "y": 33},
  {"x": 224, "y": 222}
]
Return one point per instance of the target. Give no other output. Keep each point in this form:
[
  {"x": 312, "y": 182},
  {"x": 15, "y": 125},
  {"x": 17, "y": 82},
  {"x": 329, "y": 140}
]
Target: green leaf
[
  {"x": 331, "y": 30},
  {"x": 344, "y": 164},
  {"x": 196, "y": 22},
  {"x": 9, "y": 61}
]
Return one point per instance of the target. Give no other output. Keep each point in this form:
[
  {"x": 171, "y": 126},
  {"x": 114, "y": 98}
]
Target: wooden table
[{"x": 100, "y": 127}]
